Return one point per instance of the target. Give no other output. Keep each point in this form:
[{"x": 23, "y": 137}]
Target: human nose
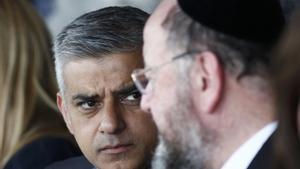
[{"x": 112, "y": 121}]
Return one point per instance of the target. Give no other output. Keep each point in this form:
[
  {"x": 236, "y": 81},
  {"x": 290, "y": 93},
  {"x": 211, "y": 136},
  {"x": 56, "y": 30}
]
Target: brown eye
[
  {"x": 134, "y": 96},
  {"x": 88, "y": 105},
  {"x": 131, "y": 99}
]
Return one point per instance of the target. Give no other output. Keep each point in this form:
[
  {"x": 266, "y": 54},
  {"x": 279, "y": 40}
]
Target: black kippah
[{"x": 258, "y": 21}]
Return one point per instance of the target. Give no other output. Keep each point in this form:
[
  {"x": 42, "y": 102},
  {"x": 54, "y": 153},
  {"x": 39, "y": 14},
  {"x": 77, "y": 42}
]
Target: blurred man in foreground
[{"x": 206, "y": 82}]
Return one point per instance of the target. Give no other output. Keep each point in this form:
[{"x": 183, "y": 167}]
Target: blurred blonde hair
[{"x": 27, "y": 83}]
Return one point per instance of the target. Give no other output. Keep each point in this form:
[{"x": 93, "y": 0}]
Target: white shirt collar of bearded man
[{"x": 243, "y": 156}]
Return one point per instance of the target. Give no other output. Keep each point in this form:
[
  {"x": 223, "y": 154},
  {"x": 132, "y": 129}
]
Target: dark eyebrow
[
  {"x": 125, "y": 90},
  {"x": 84, "y": 97}
]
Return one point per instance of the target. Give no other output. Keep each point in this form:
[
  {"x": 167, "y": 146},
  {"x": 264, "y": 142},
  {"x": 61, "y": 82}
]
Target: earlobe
[
  {"x": 208, "y": 84},
  {"x": 64, "y": 112}
]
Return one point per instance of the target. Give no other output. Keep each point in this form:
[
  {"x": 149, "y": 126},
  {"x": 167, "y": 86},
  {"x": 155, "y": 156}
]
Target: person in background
[
  {"x": 206, "y": 82},
  {"x": 286, "y": 71},
  {"x": 94, "y": 58},
  {"x": 32, "y": 132}
]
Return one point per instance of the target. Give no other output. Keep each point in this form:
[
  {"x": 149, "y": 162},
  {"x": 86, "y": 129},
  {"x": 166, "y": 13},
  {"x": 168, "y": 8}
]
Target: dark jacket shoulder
[
  {"x": 264, "y": 159},
  {"x": 42, "y": 152},
  {"x": 72, "y": 163}
]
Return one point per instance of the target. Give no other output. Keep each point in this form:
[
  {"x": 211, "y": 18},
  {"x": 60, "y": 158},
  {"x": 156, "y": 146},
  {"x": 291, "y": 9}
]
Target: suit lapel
[{"x": 265, "y": 157}]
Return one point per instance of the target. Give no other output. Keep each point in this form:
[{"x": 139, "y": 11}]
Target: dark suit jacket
[
  {"x": 72, "y": 163},
  {"x": 42, "y": 152},
  {"x": 264, "y": 159}
]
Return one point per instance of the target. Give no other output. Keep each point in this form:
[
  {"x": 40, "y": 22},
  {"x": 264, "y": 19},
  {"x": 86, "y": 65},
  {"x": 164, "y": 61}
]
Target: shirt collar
[{"x": 243, "y": 156}]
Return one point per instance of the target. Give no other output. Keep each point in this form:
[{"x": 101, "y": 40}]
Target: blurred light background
[{"x": 59, "y": 13}]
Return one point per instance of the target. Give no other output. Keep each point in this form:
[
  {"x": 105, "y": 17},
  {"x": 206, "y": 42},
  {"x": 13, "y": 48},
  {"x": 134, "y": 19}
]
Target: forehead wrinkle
[
  {"x": 88, "y": 84},
  {"x": 124, "y": 87},
  {"x": 118, "y": 88},
  {"x": 113, "y": 83},
  {"x": 104, "y": 75}
]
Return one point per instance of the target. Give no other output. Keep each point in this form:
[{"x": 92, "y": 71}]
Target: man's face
[
  {"x": 101, "y": 109},
  {"x": 160, "y": 99},
  {"x": 168, "y": 98},
  {"x": 181, "y": 143}
]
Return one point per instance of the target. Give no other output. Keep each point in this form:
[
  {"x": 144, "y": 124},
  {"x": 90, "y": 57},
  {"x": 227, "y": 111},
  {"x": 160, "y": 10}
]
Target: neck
[{"x": 242, "y": 114}]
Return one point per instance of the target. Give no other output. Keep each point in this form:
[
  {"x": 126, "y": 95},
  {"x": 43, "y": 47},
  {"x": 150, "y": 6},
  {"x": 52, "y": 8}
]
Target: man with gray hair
[
  {"x": 94, "y": 57},
  {"x": 206, "y": 82}
]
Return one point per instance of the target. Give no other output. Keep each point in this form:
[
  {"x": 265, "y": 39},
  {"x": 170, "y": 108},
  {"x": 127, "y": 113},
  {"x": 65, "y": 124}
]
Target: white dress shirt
[{"x": 243, "y": 156}]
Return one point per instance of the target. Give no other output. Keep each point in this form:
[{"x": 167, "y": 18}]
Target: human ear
[
  {"x": 62, "y": 108},
  {"x": 207, "y": 81}
]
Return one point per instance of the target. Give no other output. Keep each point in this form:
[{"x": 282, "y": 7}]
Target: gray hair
[
  {"x": 97, "y": 34},
  {"x": 236, "y": 55}
]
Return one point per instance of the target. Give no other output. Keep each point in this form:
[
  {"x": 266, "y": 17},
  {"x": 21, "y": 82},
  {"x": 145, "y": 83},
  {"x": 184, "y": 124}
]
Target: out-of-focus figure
[
  {"x": 206, "y": 82},
  {"x": 32, "y": 133},
  {"x": 286, "y": 69}
]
